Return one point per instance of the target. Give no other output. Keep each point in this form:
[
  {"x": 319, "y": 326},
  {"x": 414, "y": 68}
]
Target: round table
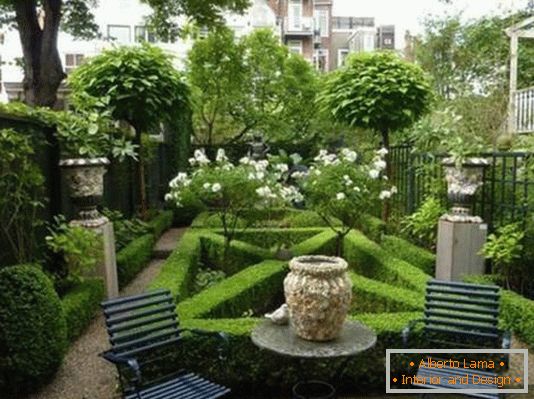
[{"x": 354, "y": 338}]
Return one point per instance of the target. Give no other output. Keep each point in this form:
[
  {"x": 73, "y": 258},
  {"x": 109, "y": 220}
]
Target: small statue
[
  {"x": 258, "y": 147},
  {"x": 280, "y": 316}
]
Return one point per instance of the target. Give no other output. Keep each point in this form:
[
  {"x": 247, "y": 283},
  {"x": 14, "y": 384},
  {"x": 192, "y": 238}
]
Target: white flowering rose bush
[
  {"x": 343, "y": 187},
  {"x": 232, "y": 190}
]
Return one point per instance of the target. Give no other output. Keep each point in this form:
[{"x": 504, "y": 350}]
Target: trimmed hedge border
[
  {"x": 373, "y": 227},
  {"x": 135, "y": 256},
  {"x": 80, "y": 305},
  {"x": 411, "y": 253},
  {"x": 322, "y": 243},
  {"x": 375, "y": 297},
  {"x": 368, "y": 259},
  {"x": 179, "y": 268},
  {"x": 252, "y": 287}
]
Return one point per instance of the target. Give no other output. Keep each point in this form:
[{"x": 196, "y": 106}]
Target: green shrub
[
  {"x": 238, "y": 255},
  {"x": 125, "y": 230},
  {"x": 33, "y": 331},
  {"x": 422, "y": 225},
  {"x": 323, "y": 244},
  {"x": 134, "y": 257},
  {"x": 247, "y": 290},
  {"x": 414, "y": 255},
  {"x": 375, "y": 297},
  {"x": 368, "y": 259},
  {"x": 372, "y": 227},
  {"x": 180, "y": 267},
  {"x": 184, "y": 216},
  {"x": 161, "y": 223},
  {"x": 304, "y": 219},
  {"x": 80, "y": 305},
  {"x": 277, "y": 237},
  {"x": 211, "y": 220}
]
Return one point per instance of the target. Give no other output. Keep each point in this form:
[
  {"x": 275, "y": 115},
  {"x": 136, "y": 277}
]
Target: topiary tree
[
  {"x": 143, "y": 89},
  {"x": 377, "y": 91},
  {"x": 33, "y": 331}
]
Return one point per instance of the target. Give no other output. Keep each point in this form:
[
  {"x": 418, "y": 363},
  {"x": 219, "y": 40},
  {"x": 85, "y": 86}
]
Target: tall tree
[
  {"x": 378, "y": 91},
  {"x": 39, "y": 21},
  {"x": 250, "y": 84}
]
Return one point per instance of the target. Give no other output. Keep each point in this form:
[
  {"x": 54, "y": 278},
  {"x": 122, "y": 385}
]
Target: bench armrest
[
  {"x": 130, "y": 362},
  {"x": 406, "y": 331}
]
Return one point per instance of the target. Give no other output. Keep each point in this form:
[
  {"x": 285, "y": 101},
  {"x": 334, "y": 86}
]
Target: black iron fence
[{"x": 506, "y": 196}]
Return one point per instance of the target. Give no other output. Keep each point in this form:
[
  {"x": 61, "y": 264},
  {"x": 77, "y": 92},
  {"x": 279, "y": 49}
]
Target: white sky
[{"x": 408, "y": 14}]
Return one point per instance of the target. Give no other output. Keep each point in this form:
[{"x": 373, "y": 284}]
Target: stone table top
[{"x": 355, "y": 338}]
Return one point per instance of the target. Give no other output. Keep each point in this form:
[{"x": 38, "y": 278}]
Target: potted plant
[
  {"x": 86, "y": 140},
  {"x": 464, "y": 175}
]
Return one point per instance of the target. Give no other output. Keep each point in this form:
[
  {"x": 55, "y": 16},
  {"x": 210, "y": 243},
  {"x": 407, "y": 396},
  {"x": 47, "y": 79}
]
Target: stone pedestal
[
  {"x": 459, "y": 245},
  {"x": 107, "y": 269}
]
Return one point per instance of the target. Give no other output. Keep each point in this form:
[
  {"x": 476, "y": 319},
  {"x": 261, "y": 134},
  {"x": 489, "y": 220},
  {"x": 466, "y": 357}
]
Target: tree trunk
[
  {"x": 43, "y": 71},
  {"x": 143, "y": 202},
  {"x": 385, "y": 143}
]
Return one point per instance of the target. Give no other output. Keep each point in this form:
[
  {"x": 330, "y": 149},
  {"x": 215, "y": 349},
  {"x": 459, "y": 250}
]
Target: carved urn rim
[
  {"x": 318, "y": 265},
  {"x": 470, "y": 162},
  {"x": 83, "y": 162}
]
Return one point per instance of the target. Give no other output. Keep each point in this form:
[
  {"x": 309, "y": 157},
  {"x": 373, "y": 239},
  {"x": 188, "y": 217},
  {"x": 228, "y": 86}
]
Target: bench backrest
[
  {"x": 139, "y": 323},
  {"x": 461, "y": 314}
]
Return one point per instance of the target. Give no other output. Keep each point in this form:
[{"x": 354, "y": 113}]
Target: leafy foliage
[
  {"x": 33, "y": 336},
  {"x": 79, "y": 248},
  {"x": 505, "y": 249},
  {"x": 422, "y": 225},
  {"x": 126, "y": 230},
  {"x": 21, "y": 185},
  {"x": 378, "y": 91},
  {"x": 339, "y": 188},
  {"x": 251, "y": 84},
  {"x": 84, "y": 133}
]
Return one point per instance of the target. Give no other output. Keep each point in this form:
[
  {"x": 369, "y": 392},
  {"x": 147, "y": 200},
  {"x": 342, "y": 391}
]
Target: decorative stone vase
[
  {"x": 85, "y": 179},
  {"x": 318, "y": 293},
  {"x": 462, "y": 185}
]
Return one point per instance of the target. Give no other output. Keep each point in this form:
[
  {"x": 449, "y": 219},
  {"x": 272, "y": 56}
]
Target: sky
[{"x": 408, "y": 14}]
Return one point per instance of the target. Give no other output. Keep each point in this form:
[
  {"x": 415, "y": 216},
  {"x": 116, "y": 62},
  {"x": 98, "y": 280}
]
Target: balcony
[{"x": 303, "y": 26}]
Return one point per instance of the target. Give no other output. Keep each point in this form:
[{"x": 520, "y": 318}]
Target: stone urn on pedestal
[
  {"x": 318, "y": 294},
  {"x": 463, "y": 181},
  {"x": 85, "y": 180}
]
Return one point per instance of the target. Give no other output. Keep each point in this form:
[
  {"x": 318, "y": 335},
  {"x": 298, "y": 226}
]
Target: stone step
[{"x": 167, "y": 242}]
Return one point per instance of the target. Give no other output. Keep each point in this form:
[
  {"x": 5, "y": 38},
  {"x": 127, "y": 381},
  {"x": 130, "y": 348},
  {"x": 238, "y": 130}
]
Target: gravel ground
[{"x": 83, "y": 374}]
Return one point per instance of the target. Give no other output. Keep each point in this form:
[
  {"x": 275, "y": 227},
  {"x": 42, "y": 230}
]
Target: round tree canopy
[{"x": 377, "y": 91}]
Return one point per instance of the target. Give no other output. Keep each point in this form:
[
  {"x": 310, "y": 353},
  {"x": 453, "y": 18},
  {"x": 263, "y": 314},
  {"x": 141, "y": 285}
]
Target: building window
[
  {"x": 142, "y": 34},
  {"x": 388, "y": 41},
  {"x": 321, "y": 22},
  {"x": 72, "y": 61},
  {"x": 294, "y": 13},
  {"x": 342, "y": 56},
  {"x": 320, "y": 60},
  {"x": 119, "y": 33},
  {"x": 295, "y": 46}
]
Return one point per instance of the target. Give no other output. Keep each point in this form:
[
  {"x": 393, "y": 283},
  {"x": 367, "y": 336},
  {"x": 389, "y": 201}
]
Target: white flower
[
  {"x": 373, "y": 173},
  {"x": 265, "y": 192},
  {"x": 282, "y": 167},
  {"x": 357, "y": 189},
  {"x": 349, "y": 155},
  {"x": 216, "y": 187},
  {"x": 206, "y": 186},
  {"x": 244, "y": 160},
  {"x": 299, "y": 175},
  {"x": 384, "y": 194},
  {"x": 200, "y": 158},
  {"x": 221, "y": 155},
  {"x": 168, "y": 197},
  {"x": 394, "y": 190},
  {"x": 380, "y": 164},
  {"x": 382, "y": 152},
  {"x": 348, "y": 180},
  {"x": 340, "y": 196}
]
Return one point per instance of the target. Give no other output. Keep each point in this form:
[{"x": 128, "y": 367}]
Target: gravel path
[{"x": 84, "y": 375}]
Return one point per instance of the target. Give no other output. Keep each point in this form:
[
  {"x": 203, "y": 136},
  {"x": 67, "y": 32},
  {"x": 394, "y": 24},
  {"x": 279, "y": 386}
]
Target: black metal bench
[
  {"x": 142, "y": 330},
  {"x": 461, "y": 315}
]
